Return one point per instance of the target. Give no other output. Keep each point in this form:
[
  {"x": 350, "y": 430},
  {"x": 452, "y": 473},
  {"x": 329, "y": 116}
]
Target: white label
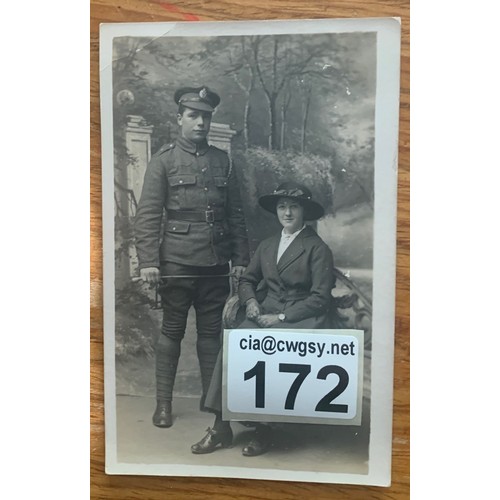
[{"x": 310, "y": 376}]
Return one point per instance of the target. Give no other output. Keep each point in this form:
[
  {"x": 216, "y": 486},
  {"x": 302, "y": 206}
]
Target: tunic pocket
[
  {"x": 178, "y": 227},
  {"x": 181, "y": 180},
  {"x": 220, "y": 182},
  {"x": 180, "y": 186}
]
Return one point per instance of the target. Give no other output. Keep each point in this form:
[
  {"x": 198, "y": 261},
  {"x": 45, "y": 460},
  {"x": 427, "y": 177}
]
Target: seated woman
[{"x": 296, "y": 269}]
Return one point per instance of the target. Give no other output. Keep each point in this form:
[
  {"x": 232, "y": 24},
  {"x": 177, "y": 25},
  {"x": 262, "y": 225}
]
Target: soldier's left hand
[{"x": 237, "y": 271}]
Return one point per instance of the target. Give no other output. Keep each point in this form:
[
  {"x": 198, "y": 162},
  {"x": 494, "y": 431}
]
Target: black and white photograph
[{"x": 249, "y": 177}]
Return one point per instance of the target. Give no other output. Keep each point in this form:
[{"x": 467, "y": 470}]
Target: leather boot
[
  {"x": 163, "y": 414},
  {"x": 260, "y": 442},
  {"x": 212, "y": 439}
]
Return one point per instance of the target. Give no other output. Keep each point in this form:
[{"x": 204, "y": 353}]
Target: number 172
[{"x": 324, "y": 404}]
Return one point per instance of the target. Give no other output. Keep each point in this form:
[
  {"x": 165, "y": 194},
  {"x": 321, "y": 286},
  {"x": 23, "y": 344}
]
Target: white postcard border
[{"x": 386, "y": 159}]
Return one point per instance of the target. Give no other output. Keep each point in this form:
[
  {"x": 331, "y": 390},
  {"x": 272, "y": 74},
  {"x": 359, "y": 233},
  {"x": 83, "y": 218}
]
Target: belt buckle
[{"x": 209, "y": 216}]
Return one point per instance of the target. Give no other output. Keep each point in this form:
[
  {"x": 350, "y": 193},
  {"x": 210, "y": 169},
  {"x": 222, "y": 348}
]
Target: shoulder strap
[{"x": 165, "y": 147}]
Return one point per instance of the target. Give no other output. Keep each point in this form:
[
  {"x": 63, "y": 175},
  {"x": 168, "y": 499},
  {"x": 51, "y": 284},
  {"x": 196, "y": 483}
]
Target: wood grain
[{"x": 146, "y": 487}]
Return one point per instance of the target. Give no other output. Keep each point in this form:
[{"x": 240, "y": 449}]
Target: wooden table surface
[{"x": 147, "y": 487}]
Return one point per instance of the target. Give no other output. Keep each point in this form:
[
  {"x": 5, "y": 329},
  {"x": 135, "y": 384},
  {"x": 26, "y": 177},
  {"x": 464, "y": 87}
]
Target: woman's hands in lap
[
  {"x": 267, "y": 320},
  {"x": 264, "y": 320}
]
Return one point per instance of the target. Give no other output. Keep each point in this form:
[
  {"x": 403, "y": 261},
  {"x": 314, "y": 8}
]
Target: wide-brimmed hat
[
  {"x": 312, "y": 209},
  {"x": 199, "y": 98}
]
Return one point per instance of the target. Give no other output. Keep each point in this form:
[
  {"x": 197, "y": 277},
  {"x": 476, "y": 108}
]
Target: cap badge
[{"x": 203, "y": 93}]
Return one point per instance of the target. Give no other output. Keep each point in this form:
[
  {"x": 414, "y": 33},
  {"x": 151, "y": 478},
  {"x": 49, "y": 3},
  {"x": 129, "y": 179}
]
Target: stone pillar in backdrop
[
  {"x": 220, "y": 136},
  {"x": 138, "y": 140},
  {"x": 128, "y": 188}
]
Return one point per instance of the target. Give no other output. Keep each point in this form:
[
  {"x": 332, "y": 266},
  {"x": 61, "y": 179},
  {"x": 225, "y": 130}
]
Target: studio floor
[{"x": 296, "y": 447}]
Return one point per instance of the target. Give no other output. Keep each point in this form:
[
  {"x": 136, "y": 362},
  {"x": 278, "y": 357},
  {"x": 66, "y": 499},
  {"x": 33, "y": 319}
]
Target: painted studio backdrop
[{"x": 292, "y": 106}]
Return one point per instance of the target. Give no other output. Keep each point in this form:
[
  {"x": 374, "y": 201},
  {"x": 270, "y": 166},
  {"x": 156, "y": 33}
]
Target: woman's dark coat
[{"x": 299, "y": 286}]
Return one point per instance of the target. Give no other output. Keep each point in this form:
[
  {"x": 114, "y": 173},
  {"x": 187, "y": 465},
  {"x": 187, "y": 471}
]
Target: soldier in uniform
[{"x": 191, "y": 195}]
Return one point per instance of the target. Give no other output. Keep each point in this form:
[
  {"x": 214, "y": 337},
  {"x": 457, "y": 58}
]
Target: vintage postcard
[{"x": 249, "y": 228}]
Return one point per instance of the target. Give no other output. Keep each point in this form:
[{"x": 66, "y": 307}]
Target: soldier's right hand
[
  {"x": 151, "y": 275},
  {"x": 253, "y": 309}
]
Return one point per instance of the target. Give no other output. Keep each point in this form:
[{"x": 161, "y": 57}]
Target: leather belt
[{"x": 208, "y": 216}]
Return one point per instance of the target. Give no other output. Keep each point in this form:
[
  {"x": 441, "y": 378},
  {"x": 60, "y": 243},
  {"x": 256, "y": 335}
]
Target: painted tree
[
  {"x": 242, "y": 70},
  {"x": 279, "y": 60},
  {"x": 285, "y": 106}
]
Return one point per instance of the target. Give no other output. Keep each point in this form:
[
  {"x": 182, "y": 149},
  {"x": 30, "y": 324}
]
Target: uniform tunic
[{"x": 196, "y": 178}]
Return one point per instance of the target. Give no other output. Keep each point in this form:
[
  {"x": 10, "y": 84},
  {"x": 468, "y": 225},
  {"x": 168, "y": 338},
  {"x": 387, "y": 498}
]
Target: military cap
[{"x": 199, "y": 98}]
